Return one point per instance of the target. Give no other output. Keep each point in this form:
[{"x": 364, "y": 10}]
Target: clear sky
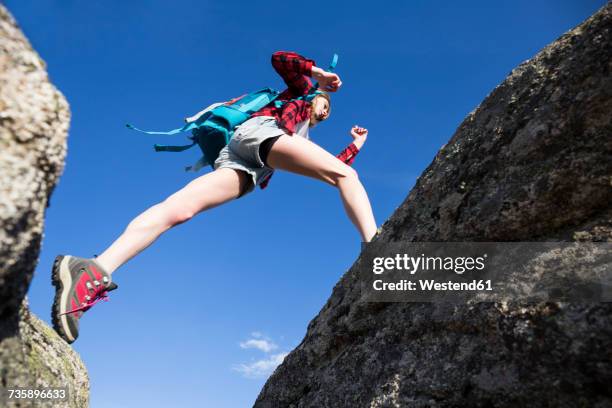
[{"x": 203, "y": 315}]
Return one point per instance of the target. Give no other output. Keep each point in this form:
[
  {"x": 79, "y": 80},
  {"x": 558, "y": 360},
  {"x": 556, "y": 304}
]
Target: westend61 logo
[
  {"x": 485, "y": 271},
  {"x": 413, "y": 264}
]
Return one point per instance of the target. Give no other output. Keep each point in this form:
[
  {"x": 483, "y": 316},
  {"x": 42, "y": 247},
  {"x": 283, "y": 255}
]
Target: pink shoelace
[{"x": 100, "y": 294}]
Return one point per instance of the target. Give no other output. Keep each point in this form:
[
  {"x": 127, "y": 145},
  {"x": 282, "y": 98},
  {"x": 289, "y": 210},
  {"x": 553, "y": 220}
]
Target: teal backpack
[{"x": 214, "y": 128}]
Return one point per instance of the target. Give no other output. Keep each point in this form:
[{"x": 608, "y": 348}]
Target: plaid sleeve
[
  {"x": 295, "y": 70},
  {"x": 348, "y": 154}
]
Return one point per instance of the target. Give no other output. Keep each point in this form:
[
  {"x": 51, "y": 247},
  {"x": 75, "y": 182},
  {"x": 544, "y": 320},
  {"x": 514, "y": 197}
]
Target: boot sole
[{"x": 61, "y": 278}]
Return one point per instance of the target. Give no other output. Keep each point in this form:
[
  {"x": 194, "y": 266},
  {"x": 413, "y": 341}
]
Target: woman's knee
[
  {"x": 343, "y": 174},
  {"x": 162, "y": 215},
  {"x": 175, "y": 212}
]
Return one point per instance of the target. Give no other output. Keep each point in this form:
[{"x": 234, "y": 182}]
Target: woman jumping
[{"x": 274, "y": 138}]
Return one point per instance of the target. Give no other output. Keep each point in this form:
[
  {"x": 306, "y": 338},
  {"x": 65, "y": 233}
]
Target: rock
[
  {"x": 34, "y": 120},
  {"x": 35, "y": 357},
  {"x": 533, "y": 162}
]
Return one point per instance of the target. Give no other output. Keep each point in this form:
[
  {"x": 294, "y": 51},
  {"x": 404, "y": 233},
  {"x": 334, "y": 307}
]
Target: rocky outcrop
[
  {"x": 35, "y": 357},
  {"x": 532, "y": 162},
  {"x": 34, "y": 120}
]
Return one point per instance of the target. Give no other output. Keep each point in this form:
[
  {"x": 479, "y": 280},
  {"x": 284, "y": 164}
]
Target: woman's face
[{"x": 320, "y": 109}]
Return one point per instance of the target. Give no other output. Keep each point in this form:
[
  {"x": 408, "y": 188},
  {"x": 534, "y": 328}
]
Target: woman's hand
[
  {"x": 359, "y": 135},
  {"x": 328, "y": 81}
]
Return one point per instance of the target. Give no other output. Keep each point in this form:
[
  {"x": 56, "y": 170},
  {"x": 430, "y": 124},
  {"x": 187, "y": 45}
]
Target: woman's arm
[
  {"x": 295, "y": 70},
  {"x": 328, "y": 81},
  {"x": 359, "y": 137}
]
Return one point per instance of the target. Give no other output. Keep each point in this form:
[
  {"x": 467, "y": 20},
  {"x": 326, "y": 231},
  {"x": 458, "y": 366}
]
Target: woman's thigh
[
  {"x": 210, "y": 190},
  {"x": 301, "y": 156}
]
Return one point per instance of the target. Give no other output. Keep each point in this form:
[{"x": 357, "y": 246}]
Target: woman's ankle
[{"x": 105, "y": 265}]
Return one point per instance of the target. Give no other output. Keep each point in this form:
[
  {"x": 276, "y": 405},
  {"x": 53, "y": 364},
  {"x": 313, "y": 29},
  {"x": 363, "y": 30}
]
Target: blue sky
[{"x": 202, "y": 316}]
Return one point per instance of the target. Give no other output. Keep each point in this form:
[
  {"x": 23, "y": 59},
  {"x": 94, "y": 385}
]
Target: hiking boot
[{"x": 79, "y": 284}]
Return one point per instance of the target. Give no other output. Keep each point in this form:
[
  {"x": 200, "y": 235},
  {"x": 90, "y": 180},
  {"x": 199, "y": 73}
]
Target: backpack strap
[
  {"x": 169, "y": 148},
  {"x": 253, "y": 102},
  {"x": 203, "y": 116},
  {"x": 185, "y": 128},
  {"x": 331, "y": 68},
  {"x": 334, "y": 62},
  {"x": 197, "y": 165}
]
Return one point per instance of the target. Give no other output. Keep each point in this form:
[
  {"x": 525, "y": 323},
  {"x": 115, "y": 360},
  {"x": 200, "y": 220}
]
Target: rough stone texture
[
  {"x": 35, "y": 357},
  {"x": 532, "y": 162},
  {"x": 34, "y": 120}
]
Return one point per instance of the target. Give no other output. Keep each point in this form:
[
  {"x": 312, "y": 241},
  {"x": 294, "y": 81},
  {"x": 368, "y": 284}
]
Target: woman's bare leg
[
  {"x": 207, "y": 191},
  {"x": 301, "y": 156}
]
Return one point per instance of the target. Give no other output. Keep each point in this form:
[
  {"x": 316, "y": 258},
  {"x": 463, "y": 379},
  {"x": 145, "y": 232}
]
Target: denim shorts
[{"x": 242, "y": 152}]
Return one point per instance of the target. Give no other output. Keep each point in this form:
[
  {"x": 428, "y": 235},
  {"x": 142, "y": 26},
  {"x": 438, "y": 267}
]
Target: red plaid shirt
[{"x": 295, "y": 71}]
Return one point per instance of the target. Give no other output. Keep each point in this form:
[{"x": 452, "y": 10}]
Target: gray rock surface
[
  {"x": 34, "y": 120},
  {"x": 533, "y": 162}
]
